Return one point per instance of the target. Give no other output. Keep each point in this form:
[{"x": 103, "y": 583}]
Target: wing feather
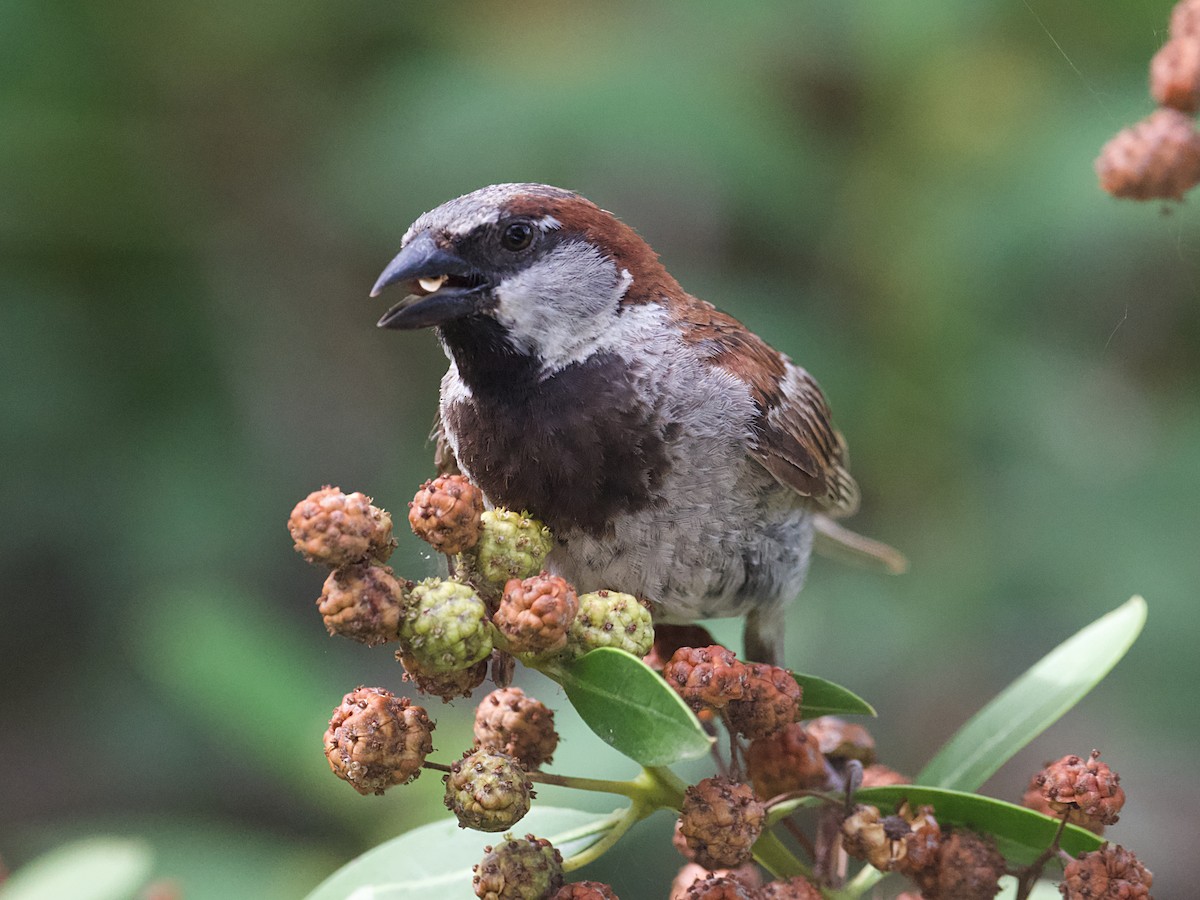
[{"x": 793, "y": 435}]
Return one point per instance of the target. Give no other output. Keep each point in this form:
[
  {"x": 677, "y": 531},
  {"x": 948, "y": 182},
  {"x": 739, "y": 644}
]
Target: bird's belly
[{"x": 702, "y": 556}]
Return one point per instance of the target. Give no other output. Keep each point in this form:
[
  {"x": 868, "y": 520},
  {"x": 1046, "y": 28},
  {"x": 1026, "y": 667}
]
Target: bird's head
[{"x": 523, "y": 276}]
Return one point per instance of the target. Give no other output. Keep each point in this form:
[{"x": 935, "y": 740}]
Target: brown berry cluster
[
  {"x": 755, "y": 700},
  {"x": 945, "y": 865},
  {"x": 958, "y": 864},
  {"x": 361, "y": 598},
  {"x": 447, "y": 630},
  {"x": 499, "y": 598},
  {"x": 1159, "y": 157},
  {"x": 500, "y": 604}
]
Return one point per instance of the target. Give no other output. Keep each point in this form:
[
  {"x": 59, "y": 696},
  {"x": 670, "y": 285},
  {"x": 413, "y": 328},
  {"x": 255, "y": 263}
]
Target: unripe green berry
[
  {"x": 527, "y": 868},
  {"x": 611, "y": 619},
  {"x": 444, "y": 626},
  {"x": 487, "y": 790},
  {"x": 511, "y": 545}
]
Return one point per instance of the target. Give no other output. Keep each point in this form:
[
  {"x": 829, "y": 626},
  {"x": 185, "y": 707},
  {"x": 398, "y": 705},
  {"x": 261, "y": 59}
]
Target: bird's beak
[{"x": 443, "y": 285}]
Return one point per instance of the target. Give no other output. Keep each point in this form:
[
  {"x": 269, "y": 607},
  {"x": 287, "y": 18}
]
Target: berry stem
[
  {"x": 867, "y": 878},
  {"x": 655, "y": 788},
  {"x": 781, "y": 806},
  {"x": 774, "y": 856},
  {"x": 630, "y": 789},
  {"x": 622, "y": 821},
  {"x": 1027, "y": 877}
]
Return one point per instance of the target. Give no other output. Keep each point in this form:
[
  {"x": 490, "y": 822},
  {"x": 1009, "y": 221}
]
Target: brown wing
[
  {"x": 794, "y": 437},
  {"x": 798, "y": 444}
]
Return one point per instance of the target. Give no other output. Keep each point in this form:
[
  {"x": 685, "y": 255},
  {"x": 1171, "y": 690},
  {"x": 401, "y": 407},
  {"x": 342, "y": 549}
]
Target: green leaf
[
  {"x": 1020, "y": 833},
  {"x": 1035, "y": 700},
  {"x": 824, "y": 698},
  {"x": 92, "y": 869},
  {"x": 630, "y": 707},
  {"x": 435, "y": 861}
]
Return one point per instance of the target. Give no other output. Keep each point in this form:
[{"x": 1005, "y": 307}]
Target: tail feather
[{"x": 844, "y": 545}]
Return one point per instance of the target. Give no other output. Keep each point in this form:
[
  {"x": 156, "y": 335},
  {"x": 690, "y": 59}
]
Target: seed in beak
[{"x": 431, "y": 284}]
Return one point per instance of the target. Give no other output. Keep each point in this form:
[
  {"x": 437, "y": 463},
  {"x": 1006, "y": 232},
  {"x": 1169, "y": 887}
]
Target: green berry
[
  {"x": 444, "y": 626},
  {"x": 487, "y": 790},
  {"x": 610, "y": 619},
  {"x": 527, "y": 868},
  {"x": 511, "y": 545}
]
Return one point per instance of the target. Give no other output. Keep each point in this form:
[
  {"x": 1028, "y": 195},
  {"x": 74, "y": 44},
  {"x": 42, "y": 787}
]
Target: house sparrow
[{"x": 673, "y": 453}]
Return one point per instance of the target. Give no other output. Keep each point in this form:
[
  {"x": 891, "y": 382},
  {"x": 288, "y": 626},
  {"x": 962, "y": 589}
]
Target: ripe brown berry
[
  {"x": 446, "y": 513},
  {"x": 838, "y": 739},
  {"x": 528, "y": 868},
  {"x": 447, "y": 685},
  {"x": 1185, "y": 19},
  {"x": 518, "y": 725},
  {"x": 1112, "y": 871},
  {"x": 1034, "y": 799},
  {"x": 335, "y": 529},
  {"x": 706, "y": 677},
  {"x": 1087, "y": 785},
  {"x": 747, "y": 875},
  {"x": 922, "y": 840},
  {"x": 787, "y": 760},
  {"x": 535, "y": 613},
  {"x": 1175, "y": 74},
  {"x": 770, "y": 700},
  {"x": 669, "y": 638},
  {"x": 881, "y": 776},
  {"x": 1158, "y": 158},
  {"x": 362, "y": 602},
  {"x": 376, "y": 740},
  {"x": 585, "y": 890},
  {"x": 720, "y": 821},
  {"x": 864, "y": 837},
  {"x": 487, "y": 790},
  {"x": 798, "y": 888},
  {"x": 968, "y": 867},
  {"x": 719, "y": 886}
]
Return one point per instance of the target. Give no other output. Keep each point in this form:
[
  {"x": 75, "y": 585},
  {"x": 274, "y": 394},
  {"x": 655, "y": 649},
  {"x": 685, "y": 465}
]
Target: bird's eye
[{"x": 517, "y": 236}]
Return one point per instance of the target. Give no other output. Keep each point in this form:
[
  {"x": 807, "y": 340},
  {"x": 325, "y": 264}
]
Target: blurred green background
[{"x": 195, "y": 200}]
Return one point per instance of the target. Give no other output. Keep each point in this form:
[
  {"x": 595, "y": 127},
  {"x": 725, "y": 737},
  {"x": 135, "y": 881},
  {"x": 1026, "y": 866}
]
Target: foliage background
[{"x": 195, "y": 199}]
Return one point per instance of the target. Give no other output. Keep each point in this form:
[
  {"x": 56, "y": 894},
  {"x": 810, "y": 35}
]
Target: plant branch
[
  {"x": 1028, "y": 876},
  {"x": 632, "y": 814},
  {"x": 634, "y": 790},
  {"x": 774, "y": 856}
]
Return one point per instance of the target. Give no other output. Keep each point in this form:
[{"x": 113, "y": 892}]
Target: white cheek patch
[{"x": 566, "y": 306}]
